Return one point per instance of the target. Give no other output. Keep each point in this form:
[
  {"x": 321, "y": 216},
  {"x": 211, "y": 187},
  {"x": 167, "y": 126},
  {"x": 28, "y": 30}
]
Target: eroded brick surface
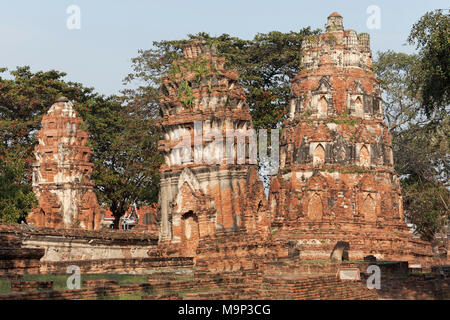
[{"x": 61, "y": 173}]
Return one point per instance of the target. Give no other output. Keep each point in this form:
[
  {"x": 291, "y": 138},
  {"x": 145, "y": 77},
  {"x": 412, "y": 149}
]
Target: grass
[{"x": 5, "y": 286}]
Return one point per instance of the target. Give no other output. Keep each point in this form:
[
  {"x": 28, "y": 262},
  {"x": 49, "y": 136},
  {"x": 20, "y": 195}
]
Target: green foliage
[
  {"x": 16, "y": 196},
  {"x": 395, "y": 72},
  {"x": 426, "y": 205},
  {"x": 420, "y": 143},
  {"x": 185, "y": 93},
  {"x": 126, "y": 161},
  {"x": 431, "y": 35}
]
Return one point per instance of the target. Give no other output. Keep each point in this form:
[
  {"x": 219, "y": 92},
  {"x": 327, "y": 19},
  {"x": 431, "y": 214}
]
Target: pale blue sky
[{"x": 99, "y": 54}]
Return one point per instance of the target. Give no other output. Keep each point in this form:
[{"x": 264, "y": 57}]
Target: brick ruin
[
  {"x": 202, "y": 100},
  {"x": 337, "y": 194},
  {"x": 61, "y": 172}
]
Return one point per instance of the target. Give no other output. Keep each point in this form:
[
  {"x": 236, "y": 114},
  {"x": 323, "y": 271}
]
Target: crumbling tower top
[
  {"x": 335, "y": 22},
  {"x": 197, "y": 48},
  {"x": 338, "y": 48}
]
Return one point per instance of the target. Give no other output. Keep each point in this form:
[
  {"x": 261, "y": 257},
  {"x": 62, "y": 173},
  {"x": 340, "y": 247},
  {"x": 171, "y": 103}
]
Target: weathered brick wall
[
  {"x": 237, "y": 251},
  {"x": 286, "y": 267},
  {"x": 18, "y": 285},
  {"x": 77, "y": 244},
  {"x": 128, "y": 265},
  {"x": 99, "y": 283},
  {"x": 414, "y": 289},
  {"x": 15, "y": 260},
  {"x": 256, "y": 286},
  {"x": 77, "y": 294}
]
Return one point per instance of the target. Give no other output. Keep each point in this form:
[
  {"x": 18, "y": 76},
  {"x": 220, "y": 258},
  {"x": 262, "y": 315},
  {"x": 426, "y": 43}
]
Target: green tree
[
  {"x": 431, "y": 35},
  {"x": 420, "y": 143},
  {"x": 126, "y": 160},
  {"x": 16, "y": 196},
  {"x": 122, "y": 137}
]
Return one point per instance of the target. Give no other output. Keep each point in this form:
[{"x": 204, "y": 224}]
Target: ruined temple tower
[
  {"x": 337, "y": 192},
  {"x": 61, "y": 173},
  {"x": 204, "y": 188}
]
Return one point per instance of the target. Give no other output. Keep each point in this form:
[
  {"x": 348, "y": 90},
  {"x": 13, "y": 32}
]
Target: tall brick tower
[
  {"x": 202, "y": 190},
  {"x": 337, "y": 192},
  {"x": 61, "y": 173}
]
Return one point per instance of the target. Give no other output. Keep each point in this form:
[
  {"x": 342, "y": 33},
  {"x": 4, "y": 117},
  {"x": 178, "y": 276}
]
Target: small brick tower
[
  {"x": 337, "y": 193},
  {"x": 61, "y": 173},
  {"x": 202, "y": 191}
]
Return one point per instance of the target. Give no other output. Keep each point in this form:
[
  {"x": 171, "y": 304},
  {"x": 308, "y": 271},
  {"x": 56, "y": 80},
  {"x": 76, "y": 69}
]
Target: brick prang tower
[
  {"x": 337, "y": 193},
  {"x": 202, "y": 191},
  {"x": 61, "y": 173}
]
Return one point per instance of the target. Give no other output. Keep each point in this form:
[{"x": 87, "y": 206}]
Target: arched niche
[
  {"x": 190, "y": 232},
  {"x": 315, "y": 207},
  {"x": 322, "y": 107},
  {"x": 319, "y": 156},
  {"x": 359, "y": 110},
  {"x": 369, "y": 208},
  {"x": 364, "y": 156}
]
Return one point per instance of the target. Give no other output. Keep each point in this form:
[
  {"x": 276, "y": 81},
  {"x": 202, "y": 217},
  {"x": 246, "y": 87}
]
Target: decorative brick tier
[{"x": 127, "y": 265}]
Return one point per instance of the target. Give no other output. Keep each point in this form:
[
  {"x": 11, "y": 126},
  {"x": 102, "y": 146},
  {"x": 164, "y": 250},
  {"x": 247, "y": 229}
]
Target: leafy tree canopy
[
  {"x": 420, "y": 143},
  {"x": 431, "y": 35}
]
